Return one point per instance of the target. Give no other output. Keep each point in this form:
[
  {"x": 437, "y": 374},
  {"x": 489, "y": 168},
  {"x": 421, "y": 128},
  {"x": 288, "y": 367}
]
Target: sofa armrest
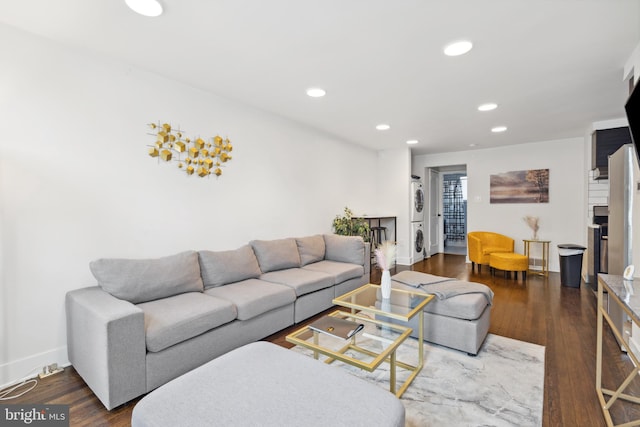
[{"x": 106, "y": 344}]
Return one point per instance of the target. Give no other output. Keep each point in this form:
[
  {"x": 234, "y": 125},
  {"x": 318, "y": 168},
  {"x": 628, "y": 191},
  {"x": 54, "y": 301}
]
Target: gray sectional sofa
[{"x": 150, "y": 321}]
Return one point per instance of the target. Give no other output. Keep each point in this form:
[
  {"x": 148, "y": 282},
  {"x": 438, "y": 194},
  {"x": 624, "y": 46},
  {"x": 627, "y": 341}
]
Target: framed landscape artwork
[{"x": 529, "y": 186}]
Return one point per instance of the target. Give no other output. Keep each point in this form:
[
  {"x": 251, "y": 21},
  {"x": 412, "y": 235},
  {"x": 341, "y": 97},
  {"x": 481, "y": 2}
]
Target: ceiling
[{"x": 553, "y": 66}]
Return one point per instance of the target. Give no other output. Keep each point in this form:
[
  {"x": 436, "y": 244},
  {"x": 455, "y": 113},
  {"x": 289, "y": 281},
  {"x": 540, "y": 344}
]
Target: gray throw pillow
[
  {"x": 221, "y": 268},
  {"x": 344, "y": 248},
  {"x": 141, "y": 280},
  {"x": 311, "y": 249},
  {"x": 276, "y": 255}
]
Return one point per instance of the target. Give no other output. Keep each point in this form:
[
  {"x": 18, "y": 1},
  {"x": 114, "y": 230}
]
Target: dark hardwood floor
[{"x": 539, "y": 311}]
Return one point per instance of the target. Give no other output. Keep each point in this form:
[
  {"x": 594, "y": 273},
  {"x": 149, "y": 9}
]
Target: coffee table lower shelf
[{"x": 335, "y": 349}]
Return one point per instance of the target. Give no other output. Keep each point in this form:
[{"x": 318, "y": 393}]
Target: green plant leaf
[{"x": 346, "y": 225}]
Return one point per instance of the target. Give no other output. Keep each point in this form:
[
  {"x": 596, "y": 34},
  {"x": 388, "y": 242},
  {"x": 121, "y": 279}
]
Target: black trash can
[{"x": 570, "y": 264}]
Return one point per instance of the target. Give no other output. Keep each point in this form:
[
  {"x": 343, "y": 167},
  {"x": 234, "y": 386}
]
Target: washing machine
[
  {"x": 417, "y": 201},
  {"x": 417, "y": 241}
]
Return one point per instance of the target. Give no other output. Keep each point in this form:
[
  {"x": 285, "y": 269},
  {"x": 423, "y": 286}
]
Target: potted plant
[{"x": 347, "y": 225}]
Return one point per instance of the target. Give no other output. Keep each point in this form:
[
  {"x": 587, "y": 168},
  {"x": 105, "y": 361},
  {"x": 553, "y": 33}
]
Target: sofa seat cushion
[
  {"x": 302, "y": 281},
  {"x": 466, "y": 306},
  {"x": 340, "y": 271},
  {"x": 493, "y": 249},
  {"x": 254, "y": 297},
  {"x": 172, "y": 320}
]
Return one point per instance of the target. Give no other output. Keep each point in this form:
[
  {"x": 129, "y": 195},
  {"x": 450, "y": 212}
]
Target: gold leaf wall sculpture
[{"x": 201, "y": 157}]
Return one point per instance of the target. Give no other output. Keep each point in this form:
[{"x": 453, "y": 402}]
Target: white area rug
[{"x": 502, "y": 386}]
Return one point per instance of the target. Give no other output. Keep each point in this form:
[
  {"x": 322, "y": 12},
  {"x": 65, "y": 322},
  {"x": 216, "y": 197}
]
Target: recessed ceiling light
[
  {"x": 316, "y": 92},
  {"x": 488, "y": 106},
  {"x": 412, "y": 141},
  {"x": 458, "y": 48},
  {"x": 383, "y": 126},
  {"x": 472, "y": 145},
  {"x": 145, "y": 7},
  {"x": 498, "y": 129}
]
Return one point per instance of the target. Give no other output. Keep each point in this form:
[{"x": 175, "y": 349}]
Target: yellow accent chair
[{"x": 482, "y": 244}]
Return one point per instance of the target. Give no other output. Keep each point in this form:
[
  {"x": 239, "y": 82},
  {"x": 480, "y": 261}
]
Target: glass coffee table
[{"x": 380, "y": 339}]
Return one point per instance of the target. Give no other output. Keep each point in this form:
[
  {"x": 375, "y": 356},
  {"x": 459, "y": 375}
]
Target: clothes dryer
[
  {"x": 417, "y": 242},
  {"x": 417, "y": 201}
]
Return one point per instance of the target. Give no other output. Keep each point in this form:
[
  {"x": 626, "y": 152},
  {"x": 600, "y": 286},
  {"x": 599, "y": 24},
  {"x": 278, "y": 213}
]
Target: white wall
[
  {"x": 632, "y": 66},
  {"x": 394, "y": 196},
  {"x": 562, "y": 220},
  {"x": 76, "y": 182}
]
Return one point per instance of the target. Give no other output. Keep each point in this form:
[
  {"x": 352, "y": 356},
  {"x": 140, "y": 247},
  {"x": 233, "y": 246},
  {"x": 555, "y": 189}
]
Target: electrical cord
[{"x": 5, "y": 393}]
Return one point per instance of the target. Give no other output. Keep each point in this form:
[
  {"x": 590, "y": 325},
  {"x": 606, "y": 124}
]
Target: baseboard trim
[
  {"x": 403, "y": 261},
  {"x": 30, "y": 366}
]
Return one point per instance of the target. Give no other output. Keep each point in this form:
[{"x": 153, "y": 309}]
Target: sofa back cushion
[
  {"x": 311, "y": 249},
  {"x": 221, "y": 268},
  {"x": 344, "y": 248},
  {"x": 276, "y": 254},
  {"x": 141, "y": 280}
]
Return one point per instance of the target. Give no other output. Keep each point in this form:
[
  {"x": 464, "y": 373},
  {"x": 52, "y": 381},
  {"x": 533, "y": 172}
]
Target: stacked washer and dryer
[{"x": 417, "y": 219}]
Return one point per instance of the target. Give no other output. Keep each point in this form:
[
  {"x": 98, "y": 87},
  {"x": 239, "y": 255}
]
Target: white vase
[{"x": 385, "y": 284}]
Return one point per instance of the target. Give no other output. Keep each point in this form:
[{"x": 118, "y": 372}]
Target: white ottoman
[{"x": 263, "y": 384}]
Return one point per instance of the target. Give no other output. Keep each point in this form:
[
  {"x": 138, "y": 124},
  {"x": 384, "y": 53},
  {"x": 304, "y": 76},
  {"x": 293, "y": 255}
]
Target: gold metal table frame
[
  {"x": 545, "y": 255},
  {"x": 613, "y": 395},
  {"x": 354, "y": 301},
  {"x": 388, "y": 354}
]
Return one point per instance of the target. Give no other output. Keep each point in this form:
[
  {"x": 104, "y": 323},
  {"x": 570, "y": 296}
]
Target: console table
[
  {"x": 626, "y": 294},
  {"x": 545, "y": 255}
]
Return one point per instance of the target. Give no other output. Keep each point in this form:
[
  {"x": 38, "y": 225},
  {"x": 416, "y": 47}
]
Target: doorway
[
  {"x": 447, "y": 210},
  {"x": 454, "y": 212}
]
